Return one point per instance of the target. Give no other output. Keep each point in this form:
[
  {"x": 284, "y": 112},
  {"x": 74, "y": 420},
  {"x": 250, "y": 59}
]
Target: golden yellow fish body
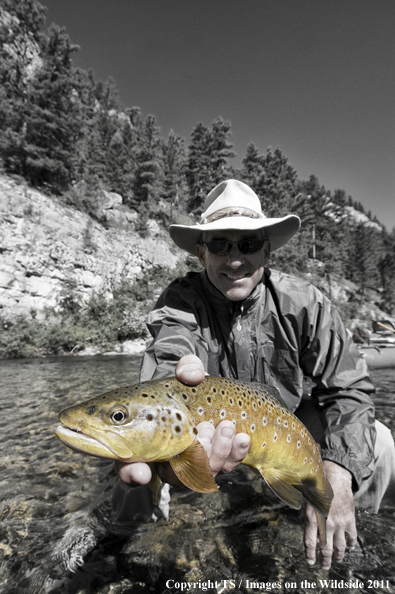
[{"x": 156, "y": 421}]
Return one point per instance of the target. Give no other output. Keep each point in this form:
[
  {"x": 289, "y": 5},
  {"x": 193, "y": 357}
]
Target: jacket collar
[{"x": 220, "y": 302}]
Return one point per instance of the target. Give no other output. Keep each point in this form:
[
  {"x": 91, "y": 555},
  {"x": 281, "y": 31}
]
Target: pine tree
[
  {"x": 198, "y": 173},
  {"x": 40, "y": 134},
  {"x": 148, "y": 182},
  {"x": 175, "y": 189},
  {"x": 208, "y": 156}
]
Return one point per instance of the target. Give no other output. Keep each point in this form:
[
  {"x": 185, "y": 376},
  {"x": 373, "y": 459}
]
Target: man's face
[{"x": 236, "y": 275}]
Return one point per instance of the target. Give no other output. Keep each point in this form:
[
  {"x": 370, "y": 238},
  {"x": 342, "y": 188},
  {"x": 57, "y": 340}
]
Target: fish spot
[
  {"x": 193, "y": 390},
  {"x": 254, "y": 405},
  {"x": 264, "y": 444},
  {"x": 278, "y": 421},
  {"x": 298, "y": 444},
  {"x": 91, "y": 410},
  {"x": 275, "y": 437},
  {"x": 144, "y": 395},
  {"x": 231, "y": 401},
  {"x": 195, "y": 431},
  {"x": 240, "y": 403},
  {"x": 209, "y": 399},
  {"x": 260, "y": 403},
  {"x": 169, "y": 396},
  {"x": 211, "y": 421},
  {"x": 185, "y": 397},
  {"x": 302, "y": 432},
  {"x": 305, "y": 460},
  {"x": 152, "y": 396},
  {"x": 178, "y": 416},
  {"x": 149, "y": 417},
  {"x": 214, "y": 390},
  {"x": 177, "y": 429},
  {"x": 243, "y": 414},
  {"x": 222, "y": 414},
  {"x": 252, "y": 428},
  {"x": 167, "y": 385},
  {"x": 200, "y": 410},
  {"x": 264, "y": 421},
  {"x": 163, "y": 419},
  {"x": 309, "y": 441},
  {"x": 293, "y": 425},
  {"x": 223, "y": 392},
  {"x": 288, "y": 438},
  {"x": 285, "y": 423}
]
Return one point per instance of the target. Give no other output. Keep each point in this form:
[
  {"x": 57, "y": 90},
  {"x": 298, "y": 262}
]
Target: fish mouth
[{"x": 79, "y": 441}]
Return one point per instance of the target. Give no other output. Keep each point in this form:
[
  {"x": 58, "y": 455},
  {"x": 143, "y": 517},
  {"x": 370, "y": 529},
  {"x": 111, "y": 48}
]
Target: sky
[{"x": 314, "y": 78}]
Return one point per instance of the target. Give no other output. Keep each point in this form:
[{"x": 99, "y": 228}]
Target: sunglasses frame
[{"x": 228, "y": 245}]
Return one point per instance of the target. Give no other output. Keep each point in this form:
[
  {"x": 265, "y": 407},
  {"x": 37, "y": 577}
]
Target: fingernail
[
  {"x": 206, "y": 434},
  {"x": 310, "y": 561},
  {"x": 227, "y": 432}
]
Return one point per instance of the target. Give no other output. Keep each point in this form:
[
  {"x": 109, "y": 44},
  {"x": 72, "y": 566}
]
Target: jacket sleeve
[
  {"x": 342, "y": 390},
  {"x": 175, "y": 331}
]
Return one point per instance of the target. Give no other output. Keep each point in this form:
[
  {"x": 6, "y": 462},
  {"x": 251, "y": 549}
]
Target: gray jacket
[{"x": 285, "y": 331}]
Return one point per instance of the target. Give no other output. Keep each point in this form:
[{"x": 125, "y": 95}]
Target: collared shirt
[{"x": 284, "y": 332}]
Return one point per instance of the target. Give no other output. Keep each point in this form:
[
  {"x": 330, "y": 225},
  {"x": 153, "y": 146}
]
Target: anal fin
[
  {"x": 283, "y": 484},
  {"x": 193, "y": 469}
]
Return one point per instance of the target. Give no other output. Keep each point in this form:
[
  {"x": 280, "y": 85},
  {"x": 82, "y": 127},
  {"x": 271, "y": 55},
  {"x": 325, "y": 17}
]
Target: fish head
[{"x": 130, "y": 424}]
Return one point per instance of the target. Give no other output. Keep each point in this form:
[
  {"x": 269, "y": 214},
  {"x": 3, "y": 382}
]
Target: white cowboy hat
[{"x": 233, "y": 205}]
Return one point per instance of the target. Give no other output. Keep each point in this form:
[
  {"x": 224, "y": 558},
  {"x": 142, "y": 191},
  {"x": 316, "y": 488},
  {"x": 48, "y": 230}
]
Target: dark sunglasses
[{"x": 222, "y": 247}]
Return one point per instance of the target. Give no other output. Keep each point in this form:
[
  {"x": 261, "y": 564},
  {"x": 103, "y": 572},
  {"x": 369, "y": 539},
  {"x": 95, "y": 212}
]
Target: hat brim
[{"x": 277, "y": 230}]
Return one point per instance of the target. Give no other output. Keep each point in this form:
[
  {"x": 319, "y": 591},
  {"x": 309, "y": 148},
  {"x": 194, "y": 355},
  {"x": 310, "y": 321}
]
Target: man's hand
[
  {"x": 225, "y": 450},
  {"x": 341, "y": 530}
]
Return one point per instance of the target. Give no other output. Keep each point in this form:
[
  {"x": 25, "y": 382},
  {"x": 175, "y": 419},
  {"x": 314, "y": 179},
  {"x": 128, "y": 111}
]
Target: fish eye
[{"x": 118, "y": 416}]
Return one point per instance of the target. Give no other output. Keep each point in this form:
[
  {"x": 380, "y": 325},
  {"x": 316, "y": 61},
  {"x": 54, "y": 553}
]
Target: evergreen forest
[{"x": 68, "y": 134}]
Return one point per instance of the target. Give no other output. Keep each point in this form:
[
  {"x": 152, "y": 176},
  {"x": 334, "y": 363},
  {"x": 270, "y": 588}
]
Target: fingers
[
  {"x": 310, "y": 535},
  {"x": 134, "y": 474},
  {"x": 190, "y": 370},
  {"x": 338, "y": 539},
  {"x": 225, "y": 450}
]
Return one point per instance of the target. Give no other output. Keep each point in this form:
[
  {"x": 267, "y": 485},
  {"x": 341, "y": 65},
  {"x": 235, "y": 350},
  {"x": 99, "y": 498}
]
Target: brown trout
[{"x": 155, "y": 421}]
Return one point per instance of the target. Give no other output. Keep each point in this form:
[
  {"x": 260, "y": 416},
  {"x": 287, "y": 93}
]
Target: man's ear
[
  {"x": 201, "y": 254},
  {"x": 267, "y": 250}
]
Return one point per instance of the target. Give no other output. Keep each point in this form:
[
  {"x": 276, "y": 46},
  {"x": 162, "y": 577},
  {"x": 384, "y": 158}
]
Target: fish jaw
[{"x": 83, "y": 443}]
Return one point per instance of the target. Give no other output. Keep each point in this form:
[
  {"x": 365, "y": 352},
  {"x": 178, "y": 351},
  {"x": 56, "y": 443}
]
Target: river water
[{"x": 56, "y": 535}]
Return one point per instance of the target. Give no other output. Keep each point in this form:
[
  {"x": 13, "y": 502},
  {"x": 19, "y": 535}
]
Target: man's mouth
[{"x": 236, "y": 277}]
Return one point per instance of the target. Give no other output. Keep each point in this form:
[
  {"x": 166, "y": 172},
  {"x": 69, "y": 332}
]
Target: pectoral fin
[
  {"x": 283, "y": 484},
  {"x": 155, "y": 483},
  {"x": 193, "y": 469}
]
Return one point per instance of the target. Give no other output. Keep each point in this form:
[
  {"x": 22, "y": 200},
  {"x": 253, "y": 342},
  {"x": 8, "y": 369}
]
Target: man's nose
[{"x": 235, "y": 258}]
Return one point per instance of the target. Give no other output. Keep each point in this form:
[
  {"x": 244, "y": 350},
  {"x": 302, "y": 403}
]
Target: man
[{"x": 238, "y": 319}]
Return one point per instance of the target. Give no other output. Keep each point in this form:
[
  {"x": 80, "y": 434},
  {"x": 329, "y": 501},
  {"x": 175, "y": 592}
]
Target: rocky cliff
[{"x": 47, "y": 246}]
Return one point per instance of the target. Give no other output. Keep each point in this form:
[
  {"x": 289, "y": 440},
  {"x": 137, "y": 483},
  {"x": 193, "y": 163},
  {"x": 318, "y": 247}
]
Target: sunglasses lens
[
  {"x": 220, "y": 247},
  {"x": 250, "y": 246}
]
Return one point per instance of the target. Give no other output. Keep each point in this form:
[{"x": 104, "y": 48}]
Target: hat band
[{"x": 231, "y": 212}]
